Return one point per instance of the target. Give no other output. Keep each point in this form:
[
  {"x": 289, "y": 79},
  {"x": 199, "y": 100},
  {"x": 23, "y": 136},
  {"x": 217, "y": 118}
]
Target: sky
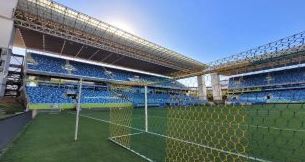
[{"x": 205, "y": 30}]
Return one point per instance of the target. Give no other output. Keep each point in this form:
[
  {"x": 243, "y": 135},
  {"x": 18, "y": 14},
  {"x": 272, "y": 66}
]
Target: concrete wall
[
  {"x": 216, "y": 87},
  {"x": 202, "y": 89},
  {"x": 7, "y": 8},
  {"x": 7, "y": 31}
]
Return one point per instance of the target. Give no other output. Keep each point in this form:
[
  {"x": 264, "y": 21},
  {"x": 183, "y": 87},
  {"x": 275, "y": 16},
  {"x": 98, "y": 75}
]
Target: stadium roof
[
  {"x": 49, "y": 26},
  {"x": 284, "y": 52}
]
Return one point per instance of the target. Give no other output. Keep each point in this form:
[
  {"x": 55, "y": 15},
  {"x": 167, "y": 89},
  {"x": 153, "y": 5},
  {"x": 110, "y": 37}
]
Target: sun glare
[{"x": 123, "y": 25}]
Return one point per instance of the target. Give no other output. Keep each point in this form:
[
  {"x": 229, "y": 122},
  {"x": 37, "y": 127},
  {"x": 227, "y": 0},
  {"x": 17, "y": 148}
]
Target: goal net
[
  {"x": 174, "y": 123},
  {"x": 176, "y": 120},
  {"x": 179, "y": 124}
]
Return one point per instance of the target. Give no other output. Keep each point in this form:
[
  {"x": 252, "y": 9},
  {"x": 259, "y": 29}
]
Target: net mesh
[
  {"x": 188, "y": 128},
  {"x": 206, "y": 134},
  {"x": 182, "y": 125},
  {"x": 120, "y": 119}
]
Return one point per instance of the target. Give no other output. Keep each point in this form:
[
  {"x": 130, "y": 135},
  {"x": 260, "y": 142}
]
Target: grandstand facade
[{"x": 48, "y": 77}]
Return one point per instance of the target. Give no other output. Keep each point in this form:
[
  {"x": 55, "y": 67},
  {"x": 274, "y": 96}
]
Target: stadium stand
[
  {"x": 275, "y": 96},
  {"x": 100, "y": 96},
  {"x": 57, "y": 94},
  {"x": 282, "y": 77},
  {"x": 270, "y": 87},
  {"x": 88, "y": 70},
  {"x": 49, "y": 64},
  {"x": 47, "y": 94}
]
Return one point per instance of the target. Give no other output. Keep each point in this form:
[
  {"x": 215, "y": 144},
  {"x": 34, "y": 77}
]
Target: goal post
[
  {"x": 78, "y": 109},
  {"x": 146, "y": 107}
]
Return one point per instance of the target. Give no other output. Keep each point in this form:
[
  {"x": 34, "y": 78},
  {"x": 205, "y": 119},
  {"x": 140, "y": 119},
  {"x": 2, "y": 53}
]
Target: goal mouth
[
  {"x": 188, "y": 133},
  {"x": 172, "y": 140},
  {"x": 206, "y": 133},
  {"x": 188, "y": 128}
]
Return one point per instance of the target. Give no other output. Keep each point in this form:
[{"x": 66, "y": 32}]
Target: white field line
[
  {"x": 131, "y": 134},
  {"x": 192, "y": 143},
  {"x": 244, "y": 125},
  {"x": 138, "y": 117},
  {"x": 211, "y": 148},
  {"x": 144, "y": 157},
  {"x": 106, "y": 121}
]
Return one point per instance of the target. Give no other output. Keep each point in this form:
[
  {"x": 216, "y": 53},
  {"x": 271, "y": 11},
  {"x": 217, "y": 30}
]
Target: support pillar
[
  {"x": 34, "y": 113},
  {"x": 7, "y": 8},
  {"x": 216, "y": 87},
  {"x": 78, "y": 108},
  {"x": 202, "y": 90}
]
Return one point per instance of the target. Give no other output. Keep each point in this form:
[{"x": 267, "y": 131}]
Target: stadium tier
[
  {"x": 282, "y": 77},
  {"x": 47, "y": 94},
  {"x": 275, "y": 96},
  {"x": 270, "y": 87},
  {"x": 52, "y": 65},
  {"x": 51, "y": 95}
]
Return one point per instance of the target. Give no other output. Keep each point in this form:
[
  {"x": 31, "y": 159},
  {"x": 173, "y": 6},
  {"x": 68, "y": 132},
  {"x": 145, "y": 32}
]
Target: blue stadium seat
[
  {"x": 57, "y": 65},
  {"x": 282, "y": 77},
  {"x": 273, "y": 96},
  {"x": 47, "y": 64},
  {"x": 55, "y": 94},
  {"x": 276, "y": 86}
]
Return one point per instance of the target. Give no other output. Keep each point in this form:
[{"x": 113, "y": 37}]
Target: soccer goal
[
  {"x": 177, "y": 124},
  {"x": 172, "y": 120}
]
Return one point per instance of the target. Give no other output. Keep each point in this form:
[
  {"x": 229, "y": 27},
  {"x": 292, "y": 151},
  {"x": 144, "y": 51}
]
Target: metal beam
[
  {"x": 79, "y": 51},
  {"x": 119, "y": 38},
  {"x": 105, "y": 58},
  {"x": 65, "y": 35},
  {"x": 94, "y": 54},
  {"x": 263, "y": 55},
  {"x": 63, "y": 46},
  {"x": 115, "y": 61},
  {"x": 43, "y": 42}
]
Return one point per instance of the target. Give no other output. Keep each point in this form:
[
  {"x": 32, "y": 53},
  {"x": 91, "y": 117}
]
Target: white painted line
[
  {"x": 143, "y": 156},
  {"x": 131, "y": 134}
]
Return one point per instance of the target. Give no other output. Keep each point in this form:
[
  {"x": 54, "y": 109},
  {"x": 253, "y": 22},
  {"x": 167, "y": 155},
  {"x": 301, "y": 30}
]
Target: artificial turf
[
  {"x": 49, "y": 138},
  {"x": 274, "y": 132}
]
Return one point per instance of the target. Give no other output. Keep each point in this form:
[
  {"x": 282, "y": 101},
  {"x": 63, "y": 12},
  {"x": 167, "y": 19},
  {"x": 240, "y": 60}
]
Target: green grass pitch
[{"x": 269, "y": 132}]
